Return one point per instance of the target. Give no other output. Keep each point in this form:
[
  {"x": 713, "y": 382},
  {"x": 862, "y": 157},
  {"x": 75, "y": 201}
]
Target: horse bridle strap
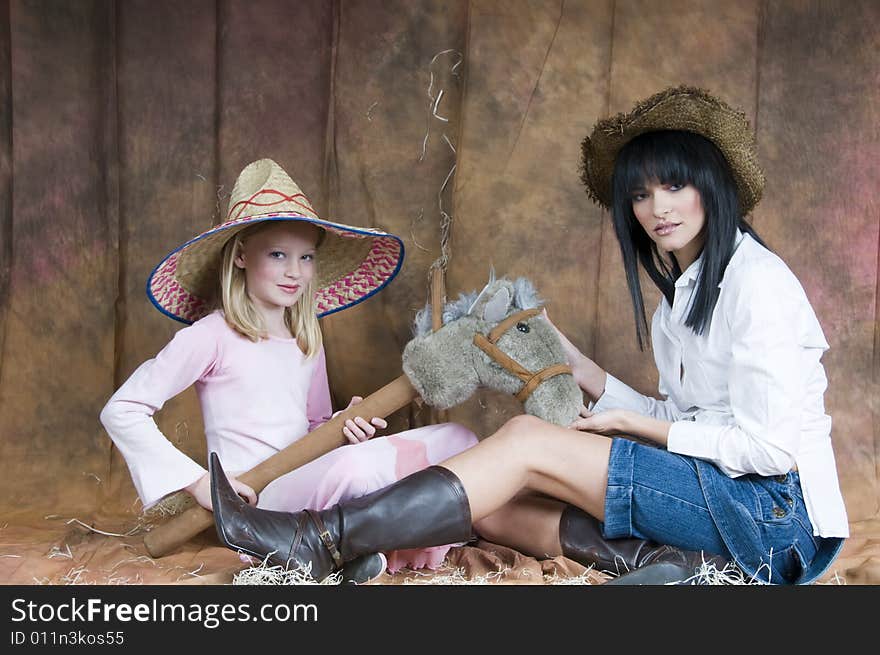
[
  {"x": 530, "y": 380},
  {"x": 510, "y": 321}
]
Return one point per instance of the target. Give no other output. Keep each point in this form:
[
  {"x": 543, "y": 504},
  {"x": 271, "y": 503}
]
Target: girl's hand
[
  {"x": 609, "y": 423},
  {"x": 359, "y": 429},
  {"x": 201, "y": 490}
]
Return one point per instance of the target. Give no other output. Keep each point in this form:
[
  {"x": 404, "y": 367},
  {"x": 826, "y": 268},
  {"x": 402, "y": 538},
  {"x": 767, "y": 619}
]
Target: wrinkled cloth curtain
[{"x": 123, "y": 125}]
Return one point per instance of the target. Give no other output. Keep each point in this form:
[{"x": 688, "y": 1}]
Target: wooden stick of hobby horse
[
  {"x": 438, "y": 298},
  {"x": 394, "y": 395}
]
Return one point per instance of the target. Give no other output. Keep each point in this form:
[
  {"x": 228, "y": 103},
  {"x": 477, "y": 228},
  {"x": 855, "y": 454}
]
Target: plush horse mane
[{"x": 525, "y": 296}]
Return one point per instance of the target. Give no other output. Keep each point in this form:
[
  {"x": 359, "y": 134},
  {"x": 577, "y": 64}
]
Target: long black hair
[{"x": 676, "y": 157}]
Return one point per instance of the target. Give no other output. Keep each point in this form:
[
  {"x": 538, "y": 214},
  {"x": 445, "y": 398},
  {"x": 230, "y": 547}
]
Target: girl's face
[
  {"x": 673, "y": 216},
  {"x": 278, "y": 262}
]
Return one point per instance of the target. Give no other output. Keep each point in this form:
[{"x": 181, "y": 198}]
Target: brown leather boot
[
  {"x": 634, "y": 561},
  {"x": 427, "y": 508}
]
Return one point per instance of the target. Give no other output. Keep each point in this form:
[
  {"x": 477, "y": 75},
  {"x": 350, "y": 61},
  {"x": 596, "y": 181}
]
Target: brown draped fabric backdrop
[{"x": 123, "y": 125}]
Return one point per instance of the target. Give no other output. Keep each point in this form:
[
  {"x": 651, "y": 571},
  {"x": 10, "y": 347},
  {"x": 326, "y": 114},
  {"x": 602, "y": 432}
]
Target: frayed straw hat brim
[
  {"x": 680, "y": 108},
  {"x": 354, "y": 263}
]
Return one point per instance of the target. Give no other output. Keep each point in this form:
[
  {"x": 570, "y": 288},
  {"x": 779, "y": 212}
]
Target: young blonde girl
[{"x": 257, "y": 360}]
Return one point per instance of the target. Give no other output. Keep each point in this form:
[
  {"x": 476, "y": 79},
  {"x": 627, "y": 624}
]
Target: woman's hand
[
  {"x": 201, "y": 490},
  {"x": 608, "y": 423},
  {"x": 589, "y": 376},
  {"x": 572, "y": 354},
  {"x": 623, "y": 421},
  {"x": 359, "y": 429}
]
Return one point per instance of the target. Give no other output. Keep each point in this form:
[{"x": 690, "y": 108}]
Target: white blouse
[{"x": 747, "y": 394}]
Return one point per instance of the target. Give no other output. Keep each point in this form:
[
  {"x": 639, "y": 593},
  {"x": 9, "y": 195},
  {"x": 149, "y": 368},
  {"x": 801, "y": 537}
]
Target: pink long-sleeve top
[{"x": 256, "y": 399}]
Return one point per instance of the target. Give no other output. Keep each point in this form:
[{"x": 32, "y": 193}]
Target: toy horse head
[{"x": 497, "y": 338}]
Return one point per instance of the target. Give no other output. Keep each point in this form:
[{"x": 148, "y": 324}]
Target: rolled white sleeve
[
  {"x": 156, "y": 465},
  {"x": 765, "y": 383},
  {"x": 618, "y": 395}
]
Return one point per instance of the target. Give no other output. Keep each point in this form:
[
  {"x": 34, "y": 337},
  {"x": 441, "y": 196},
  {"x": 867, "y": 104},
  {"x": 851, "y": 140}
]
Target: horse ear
[
  {"x": 483, "y": 292},
  {"x": 478, "y": 298},
  {"x": 496, "y": 308}
]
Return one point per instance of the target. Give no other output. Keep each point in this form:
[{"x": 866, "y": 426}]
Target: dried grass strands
[
  {"x": 730, "y": 574},
  {"x": 125, "y": 580},
  {"x": 836, "y": 579},
  {"x": 434, "y": 114},
  {"x": 92, "y": 528},
  {"x": 264, "y": 574},
  {"x": 435, "y": 100},
  {"x": 141, "y": 559},
  {"x": 192, "y": 574},
  {"x": 447, "y": 575},
  {"x": 72, "y": 577},
  {"x": 58, "y": 552},
  {"x": 172, "y": 505},
  {"x": 370, "y": 111},
  {"x": 412, "y": 225},
  {"x": 106, "y": 534},
  {"x": 585, "y": 578}
]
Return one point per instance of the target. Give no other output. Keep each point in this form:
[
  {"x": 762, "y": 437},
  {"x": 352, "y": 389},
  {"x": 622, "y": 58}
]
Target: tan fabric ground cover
[{"x": 62, "y": 551}]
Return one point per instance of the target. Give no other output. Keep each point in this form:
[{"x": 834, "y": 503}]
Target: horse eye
[{"x": 522, "y": 327}]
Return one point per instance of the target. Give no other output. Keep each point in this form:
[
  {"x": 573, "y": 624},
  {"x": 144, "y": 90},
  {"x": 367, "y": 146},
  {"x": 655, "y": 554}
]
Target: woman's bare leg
[
  {"x": 529, "y": 523},
  {"x": 530, "y": 454}
]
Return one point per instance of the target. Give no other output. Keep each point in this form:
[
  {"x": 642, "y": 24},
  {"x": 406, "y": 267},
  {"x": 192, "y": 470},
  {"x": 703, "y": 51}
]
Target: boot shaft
[{"x": 427, "y": 508}]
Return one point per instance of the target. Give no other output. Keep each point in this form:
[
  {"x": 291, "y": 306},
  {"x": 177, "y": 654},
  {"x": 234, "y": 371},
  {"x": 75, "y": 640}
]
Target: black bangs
[
  {"x": 685, "y": 158},
  {"x": 666, "y": 157}
]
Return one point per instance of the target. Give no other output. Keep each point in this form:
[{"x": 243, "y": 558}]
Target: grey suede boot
[
  {"x": 427, "y": 508},
  {"x": 635, "y": 561}
]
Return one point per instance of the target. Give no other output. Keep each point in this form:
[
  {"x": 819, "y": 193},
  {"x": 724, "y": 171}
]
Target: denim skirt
[{"x": 760, "y": 522}]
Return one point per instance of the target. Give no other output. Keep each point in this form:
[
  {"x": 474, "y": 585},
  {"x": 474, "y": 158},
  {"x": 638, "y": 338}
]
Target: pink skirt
[{"x": 355, "y": 470}]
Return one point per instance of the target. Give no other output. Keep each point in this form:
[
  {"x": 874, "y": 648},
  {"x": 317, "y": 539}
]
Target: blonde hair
[{"x": 301, "y": 318}]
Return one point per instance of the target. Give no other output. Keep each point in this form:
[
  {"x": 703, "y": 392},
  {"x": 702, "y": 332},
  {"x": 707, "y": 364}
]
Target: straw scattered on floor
[
  {"x": 264, "y": 574},
  {"x": 56, "y": 551},
  {"x": 448, "y": 575}
]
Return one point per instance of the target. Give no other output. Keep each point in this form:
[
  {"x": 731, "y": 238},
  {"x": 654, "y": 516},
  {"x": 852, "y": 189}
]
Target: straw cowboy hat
[
  {"x": 353, "y": 262},
  {"x": 680, "y": 108}
]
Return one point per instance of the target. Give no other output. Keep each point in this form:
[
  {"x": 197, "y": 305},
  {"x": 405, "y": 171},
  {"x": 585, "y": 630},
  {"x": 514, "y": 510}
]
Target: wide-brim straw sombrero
[
  {"x": 353, "y": 263},
  {"x": 677, "y": 108}
]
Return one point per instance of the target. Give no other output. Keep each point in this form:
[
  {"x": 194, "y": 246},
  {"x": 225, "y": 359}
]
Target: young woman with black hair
[{"x": 734, "y": 464}]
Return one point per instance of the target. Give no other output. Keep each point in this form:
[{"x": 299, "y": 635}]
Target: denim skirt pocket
[
  {"x": 776, "y": 499},
  {"x": 756, "y": 518}
]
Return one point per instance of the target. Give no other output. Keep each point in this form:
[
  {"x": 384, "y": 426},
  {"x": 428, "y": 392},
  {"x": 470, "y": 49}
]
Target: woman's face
[
  {"x": 673, "y": 216},
  {"x": 278, "y": 261}
]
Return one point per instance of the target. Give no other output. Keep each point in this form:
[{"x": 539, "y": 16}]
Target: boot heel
[
  {"x": 659, "y": 573},
  {"x": 364, "y": 569},
  {"x": 277, "y": 537}
]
